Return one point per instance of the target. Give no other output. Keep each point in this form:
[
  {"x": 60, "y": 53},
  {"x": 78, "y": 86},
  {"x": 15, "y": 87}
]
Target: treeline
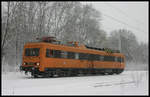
[{"x": 68, "y": 21}]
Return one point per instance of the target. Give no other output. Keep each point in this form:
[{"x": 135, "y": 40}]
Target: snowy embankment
[
  {"x": 127, "y": 83},
  {"x": 136, "y": 66}
]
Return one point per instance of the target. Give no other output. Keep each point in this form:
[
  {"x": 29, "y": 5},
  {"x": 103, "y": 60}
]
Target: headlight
[
  {"x": 38, "y": 64},
  {"x": 24, "y": 63}
]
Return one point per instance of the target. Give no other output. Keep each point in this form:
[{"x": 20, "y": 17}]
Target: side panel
[
  {"x": 70, "y": 63},
  {"x": 65, "y": 63},
  {"x": 73, "y": 63},
  {"x": 99, "y": 64}
]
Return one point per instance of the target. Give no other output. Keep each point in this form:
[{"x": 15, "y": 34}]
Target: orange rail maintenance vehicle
[{"x": 50, "y": 57}]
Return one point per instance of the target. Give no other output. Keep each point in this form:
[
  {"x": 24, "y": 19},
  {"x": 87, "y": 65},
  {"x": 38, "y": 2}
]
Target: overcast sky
[{"x": 129, "y": 15}]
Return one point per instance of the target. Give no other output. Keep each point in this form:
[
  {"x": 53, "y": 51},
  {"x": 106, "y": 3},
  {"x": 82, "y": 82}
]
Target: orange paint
[{"x": 68, "y": 63}]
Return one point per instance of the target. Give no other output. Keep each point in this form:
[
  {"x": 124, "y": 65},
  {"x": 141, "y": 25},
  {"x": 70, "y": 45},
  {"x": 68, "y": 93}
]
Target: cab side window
[
  {"x": 119, "y": 59},
  {"x": 49, "y": 53},
  {"x": 122, "y": 60},
  {"x": 116, "y": 58}
]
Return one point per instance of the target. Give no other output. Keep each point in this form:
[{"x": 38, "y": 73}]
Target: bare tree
[
  {"x": 25, "y": 21},
  {"x": 6, "y": 29}
]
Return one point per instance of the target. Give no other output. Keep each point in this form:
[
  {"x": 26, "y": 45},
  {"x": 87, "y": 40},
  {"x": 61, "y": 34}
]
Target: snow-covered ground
[{"x": 127, "y": 83}]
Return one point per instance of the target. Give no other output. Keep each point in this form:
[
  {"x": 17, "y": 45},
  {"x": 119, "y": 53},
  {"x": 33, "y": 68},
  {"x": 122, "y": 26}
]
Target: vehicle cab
[{"x": 32, "y": 55}]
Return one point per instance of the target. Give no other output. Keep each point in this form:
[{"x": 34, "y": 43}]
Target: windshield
[{"x": 32, "y": 51}]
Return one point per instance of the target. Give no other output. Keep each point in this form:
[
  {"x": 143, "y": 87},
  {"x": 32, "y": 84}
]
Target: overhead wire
[
  {"x": 122, "y": 12},
  {"x": 122, "y": 22},
  {"x": 119, "y": 21}
]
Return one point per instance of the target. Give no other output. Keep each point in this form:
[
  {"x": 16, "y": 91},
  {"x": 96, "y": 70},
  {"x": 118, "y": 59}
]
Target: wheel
[
  {"x": 35, "y": 76},
  {"x": 111, "y": 73},
  {"x": 118, "y": 71}
]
